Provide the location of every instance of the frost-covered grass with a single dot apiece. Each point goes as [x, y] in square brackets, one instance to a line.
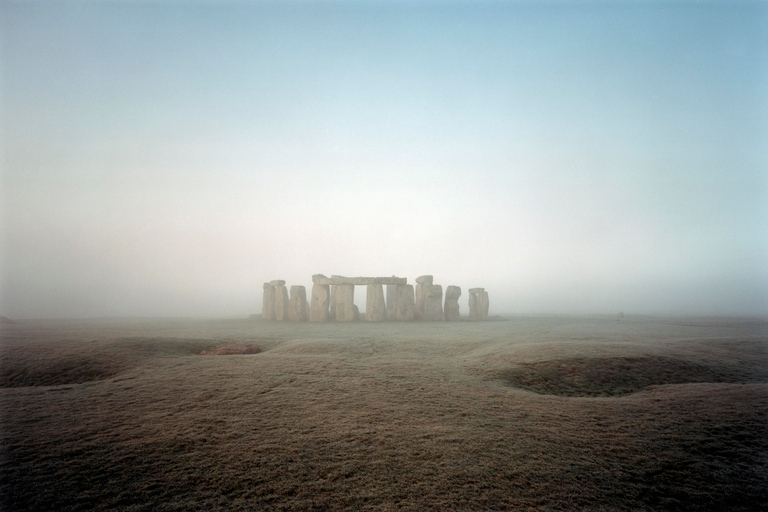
[530, 414]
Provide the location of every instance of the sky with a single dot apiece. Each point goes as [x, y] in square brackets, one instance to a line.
[167, 158]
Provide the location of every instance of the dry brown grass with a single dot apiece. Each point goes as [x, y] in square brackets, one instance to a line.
[125, 415]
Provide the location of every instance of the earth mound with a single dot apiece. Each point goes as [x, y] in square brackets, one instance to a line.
[613, 376]
[231, 349]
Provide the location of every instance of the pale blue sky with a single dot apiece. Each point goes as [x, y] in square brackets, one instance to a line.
[165, 158]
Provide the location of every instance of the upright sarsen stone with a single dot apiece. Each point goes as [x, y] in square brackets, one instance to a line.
[405, 307]
[268, 303]
[451, 313]
[423, 284]
[474, 313]
[433, 305]
[391, 294]
[344, 302]
[333, 301]
[297, 311]
[281, 302]
[375, 308]
[321, 300]
[482, 305]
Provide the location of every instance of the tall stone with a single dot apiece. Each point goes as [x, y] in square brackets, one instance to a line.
[321, 300]
[344, 302]
[268, 304]
[482, 305]
[391, 294]
[375, 308]
[474, 303]
[297, 311]
[451, 313]
[281, 302]
[423, 284]
[405, 307]
[333, 301]
[433, 305]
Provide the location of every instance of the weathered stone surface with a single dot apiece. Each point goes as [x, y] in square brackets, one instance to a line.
[359, 281]
[424, 279]
[433, 305]
[277, 282]
[473, 311]
[321, 300]
[315, 277]
[375, 307]
[333, 302]
[344, 300]
[357, 312]
[451, 311]
[281, 302]
[476, 290]
[297, 311]
[268, 304]
[405, 307]
[482, 305]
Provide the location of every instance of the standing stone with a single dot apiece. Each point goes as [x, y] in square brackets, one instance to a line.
[474, 310]
[433, 306]
[333, 302]
[391, 295]
[473, 313]
[297, 311]
[345, 302]
[482, 305]
[405, 307]
[452, 294]
[375, 308]
[321, 300]
[268, 304]
[423, 283]
[281, 302]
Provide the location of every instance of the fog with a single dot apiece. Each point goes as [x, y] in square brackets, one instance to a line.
[163, 159]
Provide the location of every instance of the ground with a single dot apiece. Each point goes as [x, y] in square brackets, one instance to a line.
[535, 413]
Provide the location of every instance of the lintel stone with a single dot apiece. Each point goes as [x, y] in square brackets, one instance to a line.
[359, 281]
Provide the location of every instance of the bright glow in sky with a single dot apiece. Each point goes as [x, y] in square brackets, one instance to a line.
[167, 158]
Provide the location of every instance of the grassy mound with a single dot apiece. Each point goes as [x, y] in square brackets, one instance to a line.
[613, 376]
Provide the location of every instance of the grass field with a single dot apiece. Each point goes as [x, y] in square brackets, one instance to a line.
[535, 413]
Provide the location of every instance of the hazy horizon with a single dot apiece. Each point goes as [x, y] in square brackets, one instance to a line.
[166, 159]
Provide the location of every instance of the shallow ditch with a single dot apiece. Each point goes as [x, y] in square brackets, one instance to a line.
[617, 376]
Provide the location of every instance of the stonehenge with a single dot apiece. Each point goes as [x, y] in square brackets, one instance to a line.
[332, 299]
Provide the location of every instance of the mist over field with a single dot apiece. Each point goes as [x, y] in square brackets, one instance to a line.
[165, 159]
